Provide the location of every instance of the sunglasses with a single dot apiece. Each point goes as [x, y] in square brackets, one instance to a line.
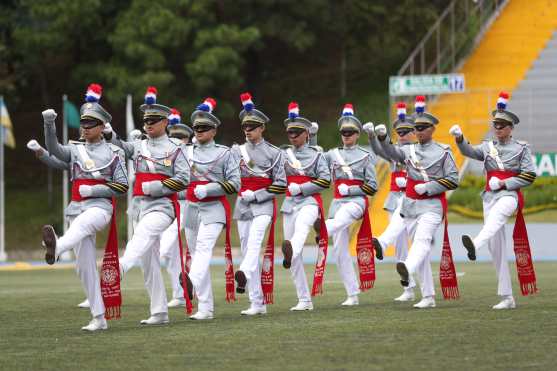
[89, 123]
[422, 127]
[348, 133]
[202, 128]
[250, 127]
[402, 133]
[152, 120]
[294, 133]
[500, 125]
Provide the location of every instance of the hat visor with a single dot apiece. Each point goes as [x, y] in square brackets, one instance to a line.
[347, 126]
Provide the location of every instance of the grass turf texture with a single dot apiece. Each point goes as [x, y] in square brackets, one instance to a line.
[40, 328]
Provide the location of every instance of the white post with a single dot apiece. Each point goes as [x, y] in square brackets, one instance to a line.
[3, 256]
[66, 256]
[129, 127]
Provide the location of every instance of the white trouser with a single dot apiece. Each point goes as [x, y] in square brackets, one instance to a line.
[496, 214]
[81, 237]
[397, 233]
[339, 229]
[296, 229]
[143, 249]
[419, 257]
[170, 257]
[201, 242]
[252, 233]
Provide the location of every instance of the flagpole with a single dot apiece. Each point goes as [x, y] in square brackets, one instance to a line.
[3, 256]
[129, 128]
[66, 256]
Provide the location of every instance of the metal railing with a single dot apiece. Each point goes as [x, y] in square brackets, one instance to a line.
[452, 36]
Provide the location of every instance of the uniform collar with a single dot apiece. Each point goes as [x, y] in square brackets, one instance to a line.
[96, 144]
[209, 144]
[302, 148]
[508, 141]
[158, 140]
[427, 144]
[253, 145]
[349, 148]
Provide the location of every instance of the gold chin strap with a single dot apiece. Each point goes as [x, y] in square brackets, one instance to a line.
[253, 119]
[349, 126]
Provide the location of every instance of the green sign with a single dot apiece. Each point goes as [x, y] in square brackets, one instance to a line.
[546, 164]
[426, 84]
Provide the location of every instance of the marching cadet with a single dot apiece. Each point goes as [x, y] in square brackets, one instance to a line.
[161, 170]
[98, 172]
[509, 167]
[263, 178]
[396, 233]
[53, 163]
[307, 174]
[353, 173]
[214, 174]
[170, 252]
[431, 171]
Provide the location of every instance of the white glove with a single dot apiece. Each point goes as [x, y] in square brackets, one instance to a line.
[85, 191]
[494, 183]
[455, 131]
[400, 181]
[368, 128]
[343, 189]
[420, 188]
[381, 130]
[107, 128]
[135, 134]
[33, 145]
[49, 115]
[314, 128]
[200, 191]
[146, 188]
[294, 189]
[248, 196]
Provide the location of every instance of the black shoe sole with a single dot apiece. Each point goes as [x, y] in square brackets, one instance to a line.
[404, 275]
[49, 239]
[287, 253]
[241, 281]
[378, 248]
[469, 246]
[189, 285]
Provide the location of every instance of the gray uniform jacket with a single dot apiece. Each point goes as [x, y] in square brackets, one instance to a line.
[514, 156]
[267, 161]
[308, 161]
[393, 198]
[162, 155]
[434, 163]
[361, 165]
[100, 161]
[214, 163]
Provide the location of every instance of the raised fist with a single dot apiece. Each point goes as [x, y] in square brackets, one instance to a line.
[455, 131]
[369, 129]
[381, 130]
[49, 115]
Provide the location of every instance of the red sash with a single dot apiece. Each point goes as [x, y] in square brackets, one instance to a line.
[447, 271]
[229, 272]
[394, 175]
[110, 269]
[317, 288]
[138, 191]
[523, 255]
[267, 271]
[364, 247]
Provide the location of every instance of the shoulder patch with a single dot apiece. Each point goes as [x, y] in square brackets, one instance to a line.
[522, 142]
[285, 146]
[115, 148]
[221, 146]
[272, 146]
[446, 147]
[363, 149]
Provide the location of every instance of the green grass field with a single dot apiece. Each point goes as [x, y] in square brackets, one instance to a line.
[40, 328]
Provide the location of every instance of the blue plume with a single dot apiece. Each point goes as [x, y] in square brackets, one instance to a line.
[203, 107]
[150, 100]
[501, 105]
